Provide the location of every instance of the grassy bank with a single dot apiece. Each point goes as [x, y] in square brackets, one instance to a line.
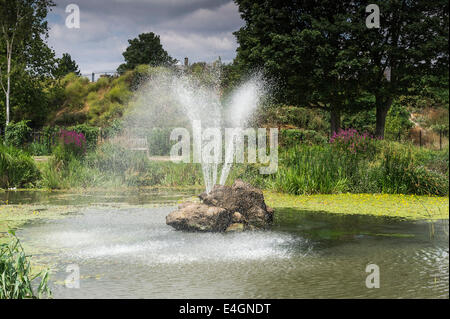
[357, 165]
[386, 167]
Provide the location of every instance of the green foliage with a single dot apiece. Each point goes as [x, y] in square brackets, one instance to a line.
[363, 121]
[111, 165]
[387, 168]
[38, 149]
[66, 65]
[30, 98]
[292, 137]
[76, 89]
[312, 169]
[17, 133]
[17, 169]
[401, 173]
[145, 49]
[323, 55]
[16, 276]
[109, 99]
[159, 142]
[89, 132]
[397, 122]
[291, 116]
[303, 46]
[109, 157]
[114, 128]
[73, 173]
[23, 43]
[102, 83]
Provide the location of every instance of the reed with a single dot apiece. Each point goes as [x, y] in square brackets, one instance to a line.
[16, 277]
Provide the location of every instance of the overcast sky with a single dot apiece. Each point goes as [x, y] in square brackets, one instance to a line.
[198, 29]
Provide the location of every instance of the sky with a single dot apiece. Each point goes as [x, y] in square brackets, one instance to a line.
[201, 30]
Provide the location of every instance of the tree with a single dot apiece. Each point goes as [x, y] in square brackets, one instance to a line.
[411, 43]
[22, 26]
[66, 65]
[145, 49]
[306, 47]
[324, 55]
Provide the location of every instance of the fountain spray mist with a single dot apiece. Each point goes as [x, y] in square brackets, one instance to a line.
[201, 105]
[176, 99]
[244, 101]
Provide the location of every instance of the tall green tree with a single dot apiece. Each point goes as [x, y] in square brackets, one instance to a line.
[145, 49]
[306, 48]
[323, 54]
[411, 43]
[65, 65]
[23, 30]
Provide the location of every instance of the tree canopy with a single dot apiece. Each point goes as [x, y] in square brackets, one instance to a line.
[323, 54]
[65, 65]
[145, 49]
[24, 54]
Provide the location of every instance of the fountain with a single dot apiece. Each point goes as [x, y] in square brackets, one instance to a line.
[183, 99]
[236, 208]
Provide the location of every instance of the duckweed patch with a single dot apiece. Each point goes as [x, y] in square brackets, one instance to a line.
[401, 206]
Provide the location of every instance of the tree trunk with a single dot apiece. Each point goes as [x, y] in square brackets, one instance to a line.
[383, 106]
[8, 88]
[335, 121]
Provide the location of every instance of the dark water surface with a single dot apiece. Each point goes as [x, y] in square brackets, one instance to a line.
[129, 252]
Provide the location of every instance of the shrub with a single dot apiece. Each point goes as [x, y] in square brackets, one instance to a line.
[291, 116]
[112, 129]
[102, 83]
[401, 172]
[159, 142]
[50, 134]
[72, 143]
[17, 169]
[119, 93]
[109, 157]
[75, 90]
[17, 134]
[397, 122]
[39, 149]
[390, 168]
[350, 141]
[312, 169]
[90, 134]
[293, 137]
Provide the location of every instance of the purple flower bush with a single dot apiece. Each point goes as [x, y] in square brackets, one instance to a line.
[351, 141]
[73, 142]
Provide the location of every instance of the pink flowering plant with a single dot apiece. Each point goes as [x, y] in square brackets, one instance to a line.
[353, 142]
[73, 142]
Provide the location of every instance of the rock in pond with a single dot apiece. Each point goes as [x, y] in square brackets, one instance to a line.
[236, 208]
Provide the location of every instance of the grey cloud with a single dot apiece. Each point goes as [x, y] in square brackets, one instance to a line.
[199, 29]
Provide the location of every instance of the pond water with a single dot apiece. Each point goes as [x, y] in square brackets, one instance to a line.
[125, 250]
